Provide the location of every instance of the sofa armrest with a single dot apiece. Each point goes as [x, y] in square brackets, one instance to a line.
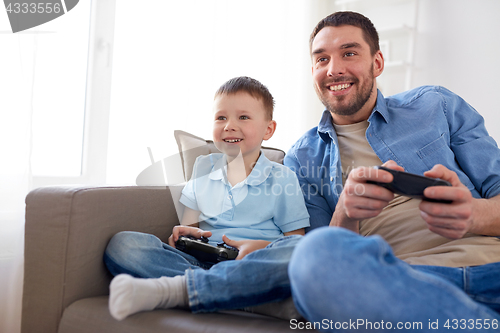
[67, 230]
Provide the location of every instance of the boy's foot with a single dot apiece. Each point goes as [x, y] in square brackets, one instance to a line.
[129, 295]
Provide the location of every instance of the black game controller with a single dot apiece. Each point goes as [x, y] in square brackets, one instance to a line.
[203, 251]
[410, 185]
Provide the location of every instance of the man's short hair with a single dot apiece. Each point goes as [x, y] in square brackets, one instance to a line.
[337, 19]
[251, 86]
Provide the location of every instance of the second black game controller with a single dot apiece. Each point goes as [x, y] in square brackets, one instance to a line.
[410, 185]
[203, 251]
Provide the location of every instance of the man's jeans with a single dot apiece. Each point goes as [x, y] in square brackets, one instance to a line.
[261, 277]
[345, 282]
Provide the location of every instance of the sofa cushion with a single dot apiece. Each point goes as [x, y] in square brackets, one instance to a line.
[190, 147]
[283, 309]
[92, 315]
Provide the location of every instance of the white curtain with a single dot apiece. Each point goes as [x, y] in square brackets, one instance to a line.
[42, 80]
[17, 61]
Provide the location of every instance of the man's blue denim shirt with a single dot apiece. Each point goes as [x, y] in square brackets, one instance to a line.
[417, 129]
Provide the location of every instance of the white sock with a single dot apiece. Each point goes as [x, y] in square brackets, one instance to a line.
[129, 295]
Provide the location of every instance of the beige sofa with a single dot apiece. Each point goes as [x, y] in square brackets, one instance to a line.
[66, 282]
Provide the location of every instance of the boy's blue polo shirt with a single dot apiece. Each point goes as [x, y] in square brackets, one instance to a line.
[268, 203]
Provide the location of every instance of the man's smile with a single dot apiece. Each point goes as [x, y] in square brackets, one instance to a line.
[339, 87]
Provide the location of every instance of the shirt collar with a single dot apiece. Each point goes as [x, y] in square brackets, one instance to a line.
[326, 125]
[260, 171]
[381, 108]
[259, 174]
[216, 172]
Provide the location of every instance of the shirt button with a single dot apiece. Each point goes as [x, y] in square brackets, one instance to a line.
[331, 179]
[230, 197]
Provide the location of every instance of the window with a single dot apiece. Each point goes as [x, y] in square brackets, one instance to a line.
[169, 58]
[60, 69]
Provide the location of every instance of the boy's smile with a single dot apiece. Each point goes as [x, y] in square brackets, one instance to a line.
[240, 125]
[231, 140]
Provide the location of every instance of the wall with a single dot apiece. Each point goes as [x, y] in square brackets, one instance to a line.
[452, 43]
[458, 47]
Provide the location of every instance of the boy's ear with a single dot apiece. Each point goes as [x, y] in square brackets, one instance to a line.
[271, 127]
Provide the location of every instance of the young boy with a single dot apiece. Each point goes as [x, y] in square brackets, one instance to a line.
[239, 197]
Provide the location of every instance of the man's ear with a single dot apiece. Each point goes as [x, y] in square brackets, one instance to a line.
[271, 128]
[378, 63]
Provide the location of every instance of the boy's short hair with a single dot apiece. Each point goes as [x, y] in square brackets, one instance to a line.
[251, 86]
[338, 19]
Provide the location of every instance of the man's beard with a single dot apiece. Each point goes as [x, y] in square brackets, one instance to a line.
[361, 98]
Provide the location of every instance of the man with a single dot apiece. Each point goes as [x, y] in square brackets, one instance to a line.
[431, 264]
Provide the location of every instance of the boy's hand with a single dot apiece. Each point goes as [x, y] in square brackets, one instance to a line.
[182, 230]
[245, 246]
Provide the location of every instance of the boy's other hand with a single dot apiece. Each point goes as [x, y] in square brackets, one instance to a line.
[182, 230]
[245, 246]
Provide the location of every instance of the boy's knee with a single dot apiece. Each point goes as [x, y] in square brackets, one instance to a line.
[127, 250]
[125, 243]
[118, 242]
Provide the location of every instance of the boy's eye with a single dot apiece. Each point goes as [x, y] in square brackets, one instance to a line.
[220, 118]
[244, 117]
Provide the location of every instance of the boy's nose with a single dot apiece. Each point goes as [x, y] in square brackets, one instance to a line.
[230, 126]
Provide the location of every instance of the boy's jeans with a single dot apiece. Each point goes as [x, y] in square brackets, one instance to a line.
[261, 277]
[348, 283]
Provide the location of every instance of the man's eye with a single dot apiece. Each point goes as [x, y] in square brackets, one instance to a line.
[321, 59]
[349, 54]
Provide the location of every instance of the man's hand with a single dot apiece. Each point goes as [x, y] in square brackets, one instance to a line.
[451, 220]
[245, 246]
[360, 200]
[182, 230]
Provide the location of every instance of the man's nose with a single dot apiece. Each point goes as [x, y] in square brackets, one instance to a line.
[335, 67]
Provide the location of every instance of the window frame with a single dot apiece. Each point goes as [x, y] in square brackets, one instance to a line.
[97, 100]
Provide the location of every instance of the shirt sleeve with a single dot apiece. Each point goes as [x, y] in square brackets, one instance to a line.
[290, 211]
[319, 211]
[475, 150]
